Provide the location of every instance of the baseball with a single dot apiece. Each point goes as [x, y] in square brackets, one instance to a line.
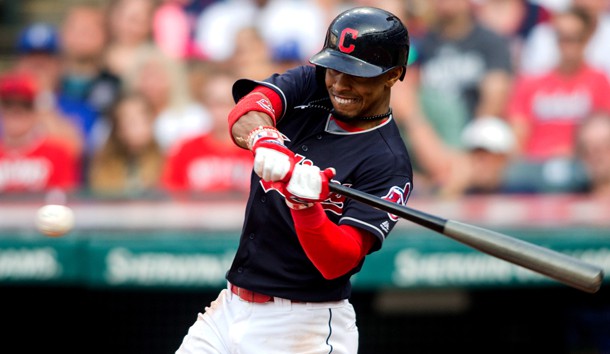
[54, 220]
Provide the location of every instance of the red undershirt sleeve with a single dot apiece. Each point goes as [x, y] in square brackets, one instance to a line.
[333, 249]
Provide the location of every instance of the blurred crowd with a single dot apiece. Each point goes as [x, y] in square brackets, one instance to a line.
[131, 98]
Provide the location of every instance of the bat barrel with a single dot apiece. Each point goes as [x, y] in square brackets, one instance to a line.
[561, 267]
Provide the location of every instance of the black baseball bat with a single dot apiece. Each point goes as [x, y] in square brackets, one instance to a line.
[561, 267]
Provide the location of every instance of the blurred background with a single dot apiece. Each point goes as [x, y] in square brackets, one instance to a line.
[118, 109]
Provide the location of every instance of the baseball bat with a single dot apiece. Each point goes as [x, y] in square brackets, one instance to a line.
[558, 266]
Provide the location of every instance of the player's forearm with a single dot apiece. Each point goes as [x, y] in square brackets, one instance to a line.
[333, 249]
[258, 108]
[248, 122]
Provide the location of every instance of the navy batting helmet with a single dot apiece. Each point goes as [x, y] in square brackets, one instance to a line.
[365, 42]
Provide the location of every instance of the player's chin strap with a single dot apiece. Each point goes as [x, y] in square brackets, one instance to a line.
[342, 118]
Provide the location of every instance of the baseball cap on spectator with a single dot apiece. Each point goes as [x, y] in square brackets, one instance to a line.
[38, 38]
[488, 133]
[286, 51]
[17, 86]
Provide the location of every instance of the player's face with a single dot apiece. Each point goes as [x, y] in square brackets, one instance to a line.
[354, 96]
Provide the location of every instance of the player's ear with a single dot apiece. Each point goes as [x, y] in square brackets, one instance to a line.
[394, 75]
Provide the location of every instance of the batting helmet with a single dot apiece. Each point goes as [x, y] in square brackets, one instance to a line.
[365, 42]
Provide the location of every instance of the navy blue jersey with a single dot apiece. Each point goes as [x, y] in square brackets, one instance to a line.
[270, 259]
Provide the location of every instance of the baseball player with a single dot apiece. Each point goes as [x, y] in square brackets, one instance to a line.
[289, 285]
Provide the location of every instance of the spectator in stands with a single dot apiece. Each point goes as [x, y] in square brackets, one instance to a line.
[546, 109]
[554, 5]
[398, 7]
[593, 151]
[418, 16]
[541, 52]
[210, 162]
[251, 56]
[513, 19]
[218, 24]
[38, 54]
[83, 40]
[163, 81]
[281, 24]
[477, 168]
[463, 69]
[130, 28]
[404, 97]
[130, 162]
[172, 30]
[30, 159]
[489, 144]
[294, 25]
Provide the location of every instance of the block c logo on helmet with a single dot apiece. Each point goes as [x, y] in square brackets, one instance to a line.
[343, 38]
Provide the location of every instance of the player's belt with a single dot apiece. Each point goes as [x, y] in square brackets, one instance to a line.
[250, 296]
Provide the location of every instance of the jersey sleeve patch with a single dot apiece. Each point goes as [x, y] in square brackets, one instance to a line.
[376, 221]
[398, 195]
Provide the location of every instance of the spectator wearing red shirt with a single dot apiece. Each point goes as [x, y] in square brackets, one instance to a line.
[30, 160]
[210, 162]
[546, 110]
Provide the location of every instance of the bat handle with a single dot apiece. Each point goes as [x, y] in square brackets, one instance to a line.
[429, 221]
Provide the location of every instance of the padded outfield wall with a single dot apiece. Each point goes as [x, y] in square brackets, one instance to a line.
[133, 274]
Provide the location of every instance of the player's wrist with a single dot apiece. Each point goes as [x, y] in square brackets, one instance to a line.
[264, 133]
[294, 205]
[252, 102]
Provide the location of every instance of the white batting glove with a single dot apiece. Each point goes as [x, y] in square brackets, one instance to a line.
[273, 161]
[308, 184]
[272, 164]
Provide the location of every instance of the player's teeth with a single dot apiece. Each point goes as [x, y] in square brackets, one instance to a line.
[343, 100]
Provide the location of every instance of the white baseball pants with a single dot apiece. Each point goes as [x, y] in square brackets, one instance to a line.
[231, 325]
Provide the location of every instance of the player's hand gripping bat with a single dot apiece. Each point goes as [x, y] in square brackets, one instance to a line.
[561, 267]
